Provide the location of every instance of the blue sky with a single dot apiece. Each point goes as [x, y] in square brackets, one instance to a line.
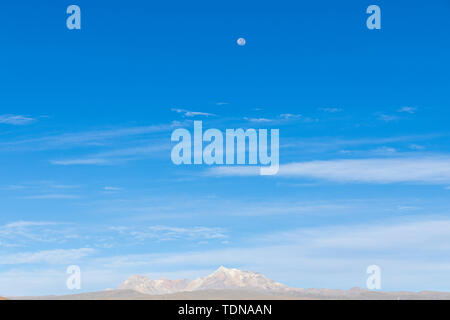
[86, 118]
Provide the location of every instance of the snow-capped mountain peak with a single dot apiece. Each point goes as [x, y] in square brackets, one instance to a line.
[222, 278]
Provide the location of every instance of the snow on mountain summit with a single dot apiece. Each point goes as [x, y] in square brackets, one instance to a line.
[221, 279]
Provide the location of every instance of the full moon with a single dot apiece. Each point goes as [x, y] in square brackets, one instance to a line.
[241, 41]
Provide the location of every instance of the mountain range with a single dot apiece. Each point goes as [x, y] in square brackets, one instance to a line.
[221, 279]
[233, 284]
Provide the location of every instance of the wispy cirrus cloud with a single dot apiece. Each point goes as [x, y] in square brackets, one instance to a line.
[191, 114]
[51, 196]
[57, 256]
[389, 235]
[116, 156]
[280, 119]
[330, 110]
[321, 145]
[7, 228]
[391, 117]
[377, 170]
[46, 185]
[22, 233]
[80, 161]
[387, 117]
[167, 233]
[85, 138]
[290, 116]
[17, 120]
[410, 110]
[260, 120]
[109, 188]
[32, 233]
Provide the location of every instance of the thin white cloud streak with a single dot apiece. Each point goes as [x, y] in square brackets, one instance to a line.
[167, 233]
[51, 196]
[87, 161]
[387, 117]
[330, 143]
[410, 110]
[109, 188]
[17, 120]
[290, 116]
[412, 170]
[116, 156]
[40, 185]
[242, 171]
[281, 119]
[330, 110]
[87, 138]
[428, 235]
[260, 120]
[57, 256]
[225, 208]
[409, 238]
[16, 233]
[191, 114]
[21, 228]
[22, 223]
[24, 233]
